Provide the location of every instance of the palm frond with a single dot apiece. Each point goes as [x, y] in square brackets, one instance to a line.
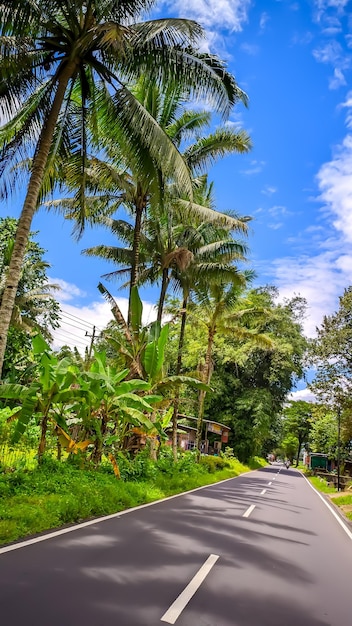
[144, 131]
[110, 253]
[233, 223]
[217, 145]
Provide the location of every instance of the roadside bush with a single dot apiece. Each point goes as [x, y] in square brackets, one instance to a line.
[58, 493]
[186, 462]
[214, 463]
[256, 462]
[228, 453]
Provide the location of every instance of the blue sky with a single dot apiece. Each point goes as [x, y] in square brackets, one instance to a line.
[294, 59]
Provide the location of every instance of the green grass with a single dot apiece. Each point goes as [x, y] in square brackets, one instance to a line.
[17, 457]
[343, 501]
[321, 484]
[60, 493]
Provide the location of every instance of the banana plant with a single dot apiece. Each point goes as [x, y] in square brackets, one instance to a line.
[144, 350]
[143, 347]
[55, 387]
[116, 405]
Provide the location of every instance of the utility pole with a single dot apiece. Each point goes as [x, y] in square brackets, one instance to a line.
[92, 336]
[338, 447]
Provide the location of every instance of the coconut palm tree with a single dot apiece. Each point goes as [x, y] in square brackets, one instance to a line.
[219, 307]
[32, 293]
[152, 193]
[214, 252]
[53, 55]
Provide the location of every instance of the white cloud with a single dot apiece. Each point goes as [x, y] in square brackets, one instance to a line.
[324, 7]
[221, 14]
[329, 15]
[269, 190]
[255, 168]
[348, 104]
[334, 179]
[302, 38]
[251, 49]
[275, 225]
[315, 278]
[331, 52]
[68, 291]
[264, 18]
[77, 322]
[322, 277]
[278, 210]
[337, 80]
[303, 394]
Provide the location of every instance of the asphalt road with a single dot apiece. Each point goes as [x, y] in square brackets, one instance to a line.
[258, 550]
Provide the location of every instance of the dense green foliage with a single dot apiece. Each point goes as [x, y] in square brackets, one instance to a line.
[297, 424]
[59, 493]
[96, 104]
[250, 382]
[35, 307]
[67, 77]
[330, 354]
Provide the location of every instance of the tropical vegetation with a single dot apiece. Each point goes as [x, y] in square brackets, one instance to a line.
[101, 122]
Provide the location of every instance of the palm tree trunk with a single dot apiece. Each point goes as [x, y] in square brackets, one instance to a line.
[154, 443]
[140, 207]
[98, 447]
[178, 371]
[42, 442]
[206, 379]
[163, 290]
[300, 442]
[29, 208]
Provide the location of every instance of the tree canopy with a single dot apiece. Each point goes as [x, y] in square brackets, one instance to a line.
[35, 307]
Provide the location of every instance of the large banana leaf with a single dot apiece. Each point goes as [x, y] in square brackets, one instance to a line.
[132, 385]
[29, 408]
[136, 311]
[134, 401]
[176, 381]
[153, 356]
[13, 391]
[137, 418]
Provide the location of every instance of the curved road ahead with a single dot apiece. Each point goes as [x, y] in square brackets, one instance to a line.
[258, 550]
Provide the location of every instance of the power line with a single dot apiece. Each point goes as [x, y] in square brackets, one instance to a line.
[68, 339]
[92, 337]
[79, 319]
[76, 318]
[82, 328]
[63, 330]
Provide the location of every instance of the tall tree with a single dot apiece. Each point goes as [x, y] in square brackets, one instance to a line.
[331, 354]
[297, 421]
[216, 309]
[149, 194]
[213, 250]
[258, 379]
[35, 308]
[250, 382]
[54, 53]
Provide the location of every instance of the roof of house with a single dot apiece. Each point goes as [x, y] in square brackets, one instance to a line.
[191, 417]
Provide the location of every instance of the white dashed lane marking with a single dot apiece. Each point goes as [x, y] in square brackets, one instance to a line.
[249, 511]
[182, 600]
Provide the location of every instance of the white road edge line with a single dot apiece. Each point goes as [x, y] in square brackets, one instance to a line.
[249, 511]
[345, 528]
[183, 599]
[263, 492]
[97, 520]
